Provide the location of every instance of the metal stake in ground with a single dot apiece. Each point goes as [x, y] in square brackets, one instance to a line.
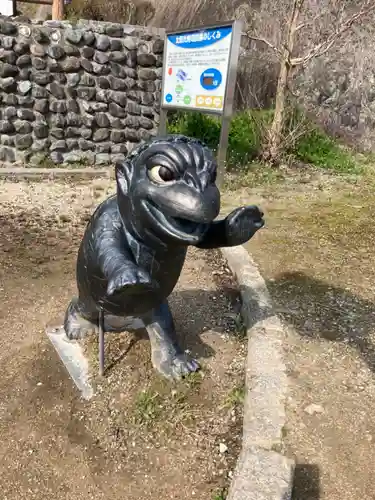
[101, 342]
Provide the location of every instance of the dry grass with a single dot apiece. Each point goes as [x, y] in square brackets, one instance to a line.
[138, 12]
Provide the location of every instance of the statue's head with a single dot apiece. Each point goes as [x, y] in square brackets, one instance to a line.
[167, 188]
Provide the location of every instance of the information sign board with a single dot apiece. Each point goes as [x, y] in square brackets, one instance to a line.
[199, 74]
[7, 8]
[196, 68]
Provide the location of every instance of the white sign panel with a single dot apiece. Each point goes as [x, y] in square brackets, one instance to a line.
[7, 8]
[195, 71]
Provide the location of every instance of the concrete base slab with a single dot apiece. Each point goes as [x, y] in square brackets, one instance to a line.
[76, 363]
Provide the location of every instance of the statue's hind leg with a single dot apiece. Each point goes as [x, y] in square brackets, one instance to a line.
[80, 320]
[166, 355]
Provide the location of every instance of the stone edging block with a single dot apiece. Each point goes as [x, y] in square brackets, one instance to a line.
[262, 472]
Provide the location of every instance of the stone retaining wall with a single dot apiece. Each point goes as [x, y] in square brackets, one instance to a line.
[82, 93]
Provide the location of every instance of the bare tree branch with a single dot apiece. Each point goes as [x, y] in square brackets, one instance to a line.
[265, 41]
[324, 46]
[309, 23]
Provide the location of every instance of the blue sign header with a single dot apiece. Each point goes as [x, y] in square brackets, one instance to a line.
[198, 39]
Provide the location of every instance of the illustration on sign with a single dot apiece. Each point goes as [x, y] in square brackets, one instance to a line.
[196, 69]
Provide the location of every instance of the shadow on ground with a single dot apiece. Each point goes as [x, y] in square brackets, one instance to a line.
[205, 313]
[318, 309]
[306, 484]
[46, 403]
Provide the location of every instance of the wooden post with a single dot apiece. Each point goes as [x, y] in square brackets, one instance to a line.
[57, 10]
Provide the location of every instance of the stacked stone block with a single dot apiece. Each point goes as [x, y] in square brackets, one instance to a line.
[87, 92]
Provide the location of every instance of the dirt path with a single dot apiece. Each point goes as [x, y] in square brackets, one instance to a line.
[141, 437]
[317, 255]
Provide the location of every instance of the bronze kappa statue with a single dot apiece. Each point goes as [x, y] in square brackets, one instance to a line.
[134, 247]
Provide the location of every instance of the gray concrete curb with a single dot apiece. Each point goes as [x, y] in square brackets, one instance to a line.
[26, 173]
[262, 472]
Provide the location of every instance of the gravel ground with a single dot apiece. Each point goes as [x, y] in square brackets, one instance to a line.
[141, 437]
[317, 256]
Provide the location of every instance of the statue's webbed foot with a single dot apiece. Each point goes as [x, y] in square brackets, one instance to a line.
[166, 355]
[76, 326]
[174, 366]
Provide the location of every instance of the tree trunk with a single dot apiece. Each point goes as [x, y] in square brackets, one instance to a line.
[273, 146]
[274, 137]
[57, 10]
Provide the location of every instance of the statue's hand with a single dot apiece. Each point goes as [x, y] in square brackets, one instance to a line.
[130, 279]
[242, 224]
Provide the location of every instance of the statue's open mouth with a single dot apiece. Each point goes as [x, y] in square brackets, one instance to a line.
[181, 229]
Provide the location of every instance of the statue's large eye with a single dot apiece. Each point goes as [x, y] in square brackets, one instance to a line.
[161, 174]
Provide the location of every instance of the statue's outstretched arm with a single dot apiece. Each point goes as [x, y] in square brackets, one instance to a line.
[115, 259]
[236, 229]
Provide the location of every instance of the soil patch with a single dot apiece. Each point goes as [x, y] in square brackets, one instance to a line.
[141, 437]
[317, 256]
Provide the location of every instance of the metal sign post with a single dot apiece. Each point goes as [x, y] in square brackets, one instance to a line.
[199, 74]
